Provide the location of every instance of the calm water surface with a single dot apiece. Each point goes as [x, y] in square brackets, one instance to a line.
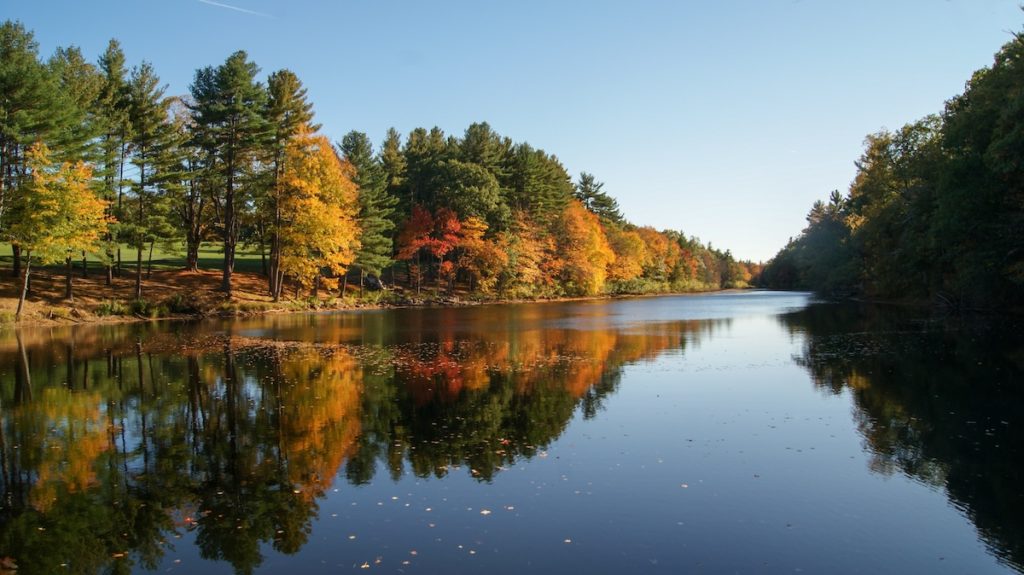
[729, 433]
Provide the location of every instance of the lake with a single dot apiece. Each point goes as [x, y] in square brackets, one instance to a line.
[753, 432]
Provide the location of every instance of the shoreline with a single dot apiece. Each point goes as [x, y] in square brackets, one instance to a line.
[241, 309]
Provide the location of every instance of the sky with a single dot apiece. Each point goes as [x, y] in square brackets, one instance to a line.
[725, 119]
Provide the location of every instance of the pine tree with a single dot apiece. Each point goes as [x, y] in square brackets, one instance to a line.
[152, 138]
[230, 126]
[589, 192]
[375, 206]
[114, 127]
[287, 113]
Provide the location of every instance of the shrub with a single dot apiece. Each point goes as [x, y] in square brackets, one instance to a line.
[182, 303]
[111, 307]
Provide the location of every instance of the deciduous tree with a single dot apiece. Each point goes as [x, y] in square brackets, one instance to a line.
[60, 214]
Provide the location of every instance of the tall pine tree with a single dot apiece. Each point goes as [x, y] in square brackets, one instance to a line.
[375, 206]
[152, 137]
[230, 125]
[287, 113]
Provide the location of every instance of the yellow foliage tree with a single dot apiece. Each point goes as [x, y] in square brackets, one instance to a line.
[319, 206]
[59, 214]
[480, 257]
[662, 254]
[584, 249]
[630, 253]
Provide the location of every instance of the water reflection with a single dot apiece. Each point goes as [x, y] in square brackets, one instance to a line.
[115, 442]
[938, 400]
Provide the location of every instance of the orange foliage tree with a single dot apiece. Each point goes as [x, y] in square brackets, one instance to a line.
[584, 250]
[430, 235]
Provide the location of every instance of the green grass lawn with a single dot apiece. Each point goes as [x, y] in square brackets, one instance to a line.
[211, 257]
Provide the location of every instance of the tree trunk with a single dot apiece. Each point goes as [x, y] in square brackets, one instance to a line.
[344, 283]
[280, 285]
[24, 285]
[192, 256]
[120, 197]
[110, 273]
[138, 271]
[67, 280]
[149, 263]
[272, 275]
[16, 260]
[362, 276]
[263, 259]
[229, 226]
[85, 265]
[140, 243]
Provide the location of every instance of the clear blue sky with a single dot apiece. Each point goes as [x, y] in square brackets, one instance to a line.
[725, 119]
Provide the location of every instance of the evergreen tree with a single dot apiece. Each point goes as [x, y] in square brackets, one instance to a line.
[537, 184]
[190, 195]
[375, 206]
[114, 128]
[482, 146]
[589, 192]
[287, 113]
[78, 87]
[230, 125]
[152, 140]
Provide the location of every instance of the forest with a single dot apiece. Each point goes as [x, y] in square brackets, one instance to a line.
[99, 164]
[935, 212]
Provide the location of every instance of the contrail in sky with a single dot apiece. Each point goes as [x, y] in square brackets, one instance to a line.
[236, 8]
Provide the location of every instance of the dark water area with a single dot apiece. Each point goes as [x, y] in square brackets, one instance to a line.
[756, 432]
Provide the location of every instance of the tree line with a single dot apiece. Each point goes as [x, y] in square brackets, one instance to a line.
[936, 210]
[98, 162]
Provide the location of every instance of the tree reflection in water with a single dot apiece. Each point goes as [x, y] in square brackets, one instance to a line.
[940, 400]
[116, 441]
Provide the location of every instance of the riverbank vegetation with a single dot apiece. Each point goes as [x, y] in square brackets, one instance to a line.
[936, 210]
[98, 164]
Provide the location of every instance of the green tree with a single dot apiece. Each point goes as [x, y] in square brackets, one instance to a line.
[589, 192]
[537, 183]
[152, 141]
[287, 113]
[480, 145]
[471, 191]
[230, 125]
[114, 128]
[375, 206]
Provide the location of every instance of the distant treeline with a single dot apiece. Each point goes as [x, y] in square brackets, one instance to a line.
[936, 211]
[96, 156]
